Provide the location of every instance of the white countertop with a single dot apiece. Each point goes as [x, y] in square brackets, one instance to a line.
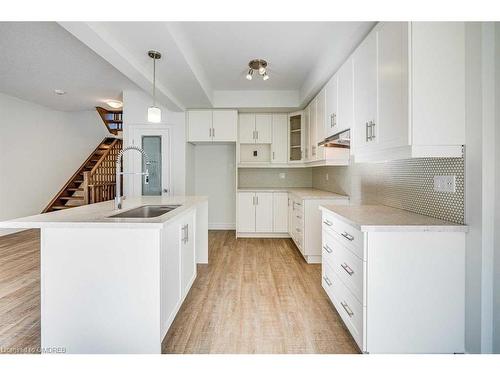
[97, 215]
[302, 193]
[378, 218]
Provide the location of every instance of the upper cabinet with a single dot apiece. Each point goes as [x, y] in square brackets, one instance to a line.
[331, 106]
[409, 91]
[279, 146]
[296, 138]
[344, 117]
[255, 127]
[212, 125]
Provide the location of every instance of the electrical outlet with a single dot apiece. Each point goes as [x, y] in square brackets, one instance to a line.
[444, 184]
[282, 175]
[326, 176]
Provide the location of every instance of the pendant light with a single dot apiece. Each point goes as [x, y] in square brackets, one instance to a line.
[154, 112]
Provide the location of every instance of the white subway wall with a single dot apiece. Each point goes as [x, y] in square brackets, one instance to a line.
[40, 149]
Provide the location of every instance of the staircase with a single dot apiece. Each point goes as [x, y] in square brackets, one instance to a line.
[93, 182]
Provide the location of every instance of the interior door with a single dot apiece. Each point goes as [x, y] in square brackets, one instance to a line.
[199, 126]
[246, 212]
[155, 141]
[246, 127]
[264, 212]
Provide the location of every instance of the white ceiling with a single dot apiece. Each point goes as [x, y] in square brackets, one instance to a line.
[292, 50]
[204, 63]
[38, 57]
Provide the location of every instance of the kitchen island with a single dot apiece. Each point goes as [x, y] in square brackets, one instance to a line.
[114, 285]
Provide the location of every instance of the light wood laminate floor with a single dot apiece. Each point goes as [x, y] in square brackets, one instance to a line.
[255, 296]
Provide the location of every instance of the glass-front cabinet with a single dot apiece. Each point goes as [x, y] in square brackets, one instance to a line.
[296, 136]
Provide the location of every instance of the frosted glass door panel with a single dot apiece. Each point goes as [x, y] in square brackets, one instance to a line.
[151, 144]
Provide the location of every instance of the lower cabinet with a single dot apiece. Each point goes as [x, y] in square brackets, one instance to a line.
[396, 291]
[262, 212]
[177, 266]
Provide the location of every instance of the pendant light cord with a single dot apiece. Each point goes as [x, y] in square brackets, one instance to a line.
[154, 82]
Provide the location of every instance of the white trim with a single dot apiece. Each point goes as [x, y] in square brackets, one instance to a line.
[262, 235]
[221, 226]
[6, 232]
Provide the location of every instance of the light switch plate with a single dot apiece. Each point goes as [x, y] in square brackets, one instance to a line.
[445, 184]
[326, 176]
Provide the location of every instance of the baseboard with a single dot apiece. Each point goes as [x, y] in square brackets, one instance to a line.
[5, 232]
[262, 235]
[221, 226]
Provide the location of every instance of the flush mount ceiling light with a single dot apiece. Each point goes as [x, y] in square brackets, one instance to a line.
[260, 66]
[114, 104]
[154, 113]
[59, 92]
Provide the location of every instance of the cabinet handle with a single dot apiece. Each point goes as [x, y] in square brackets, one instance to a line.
[367, 135]
[372, 130]
[327, 249]
[334, 119]
[331, 121]
[184, 233]
[348, 236]
[257, 134]
[329, 223]
[298, 230]
[298, 217]
[347, 309]
[213, 132]
[273, 155]
[187, 233]
[347, 269]
[257, 200]
[327, 280]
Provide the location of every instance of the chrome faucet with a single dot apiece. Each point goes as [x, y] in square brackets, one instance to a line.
[118, 198]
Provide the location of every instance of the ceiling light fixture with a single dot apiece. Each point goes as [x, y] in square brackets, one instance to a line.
[114, 104]
[154, 112]
[59, 92]
[249, 74]
[260, 66]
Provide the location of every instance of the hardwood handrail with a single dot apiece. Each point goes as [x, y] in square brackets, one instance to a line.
[78, 171]
[103, 156]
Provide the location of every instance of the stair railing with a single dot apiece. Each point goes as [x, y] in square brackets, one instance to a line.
[99, 184]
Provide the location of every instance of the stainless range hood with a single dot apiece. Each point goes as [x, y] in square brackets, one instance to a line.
[341, 140]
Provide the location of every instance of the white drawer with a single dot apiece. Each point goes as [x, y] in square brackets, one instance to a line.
[298, 206]
[346, 234]
[347, 265]
[348, 307]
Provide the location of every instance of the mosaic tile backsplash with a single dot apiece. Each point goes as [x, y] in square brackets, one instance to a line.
[406, 184]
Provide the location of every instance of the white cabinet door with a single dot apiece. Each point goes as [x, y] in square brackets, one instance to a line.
[225, 125]
[331, 106]
[280, 212]
[170, 274]
[345, 115]
[365, 92]
[279, 147]
[392, 85]
[438, 83]
[264, 212]
[188, 255]
[263, 128]
[246, 127]
[246, 212]
[320, 125]
[199, 126]
[313, 146]
[306, 155]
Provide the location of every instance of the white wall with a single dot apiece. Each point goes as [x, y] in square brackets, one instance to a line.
[215, 178]
[40, 149]
[135, 109]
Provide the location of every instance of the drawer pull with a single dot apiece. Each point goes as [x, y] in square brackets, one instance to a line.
[298, 230]
[298, 217]
[327, 280]
[329, 223]
[327, 249]
[347, 309]
[348, 236]
[347, 269]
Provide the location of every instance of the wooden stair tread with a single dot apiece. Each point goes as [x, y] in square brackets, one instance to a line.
[60, 207]
[76, 197]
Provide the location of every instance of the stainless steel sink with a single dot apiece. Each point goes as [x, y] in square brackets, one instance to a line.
[146, 211]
